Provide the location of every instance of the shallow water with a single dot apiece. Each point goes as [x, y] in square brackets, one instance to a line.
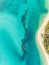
[14, 16]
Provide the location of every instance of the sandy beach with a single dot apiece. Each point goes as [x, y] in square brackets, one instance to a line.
[39, 40]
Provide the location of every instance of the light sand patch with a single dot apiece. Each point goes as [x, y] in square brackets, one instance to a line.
[39, 38]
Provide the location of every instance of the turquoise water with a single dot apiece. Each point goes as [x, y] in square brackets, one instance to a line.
[19, 20]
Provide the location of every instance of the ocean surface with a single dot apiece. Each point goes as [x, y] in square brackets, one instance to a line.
[19, 22]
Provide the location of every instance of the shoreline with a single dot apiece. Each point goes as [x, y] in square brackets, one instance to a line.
[39, 40]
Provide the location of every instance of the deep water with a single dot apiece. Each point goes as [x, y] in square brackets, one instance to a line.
[19, 21]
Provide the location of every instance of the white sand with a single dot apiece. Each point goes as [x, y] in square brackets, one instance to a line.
[40, 40]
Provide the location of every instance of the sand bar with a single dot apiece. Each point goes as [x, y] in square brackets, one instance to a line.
[40, 40]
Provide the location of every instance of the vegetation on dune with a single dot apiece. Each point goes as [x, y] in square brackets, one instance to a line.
[46, 37]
